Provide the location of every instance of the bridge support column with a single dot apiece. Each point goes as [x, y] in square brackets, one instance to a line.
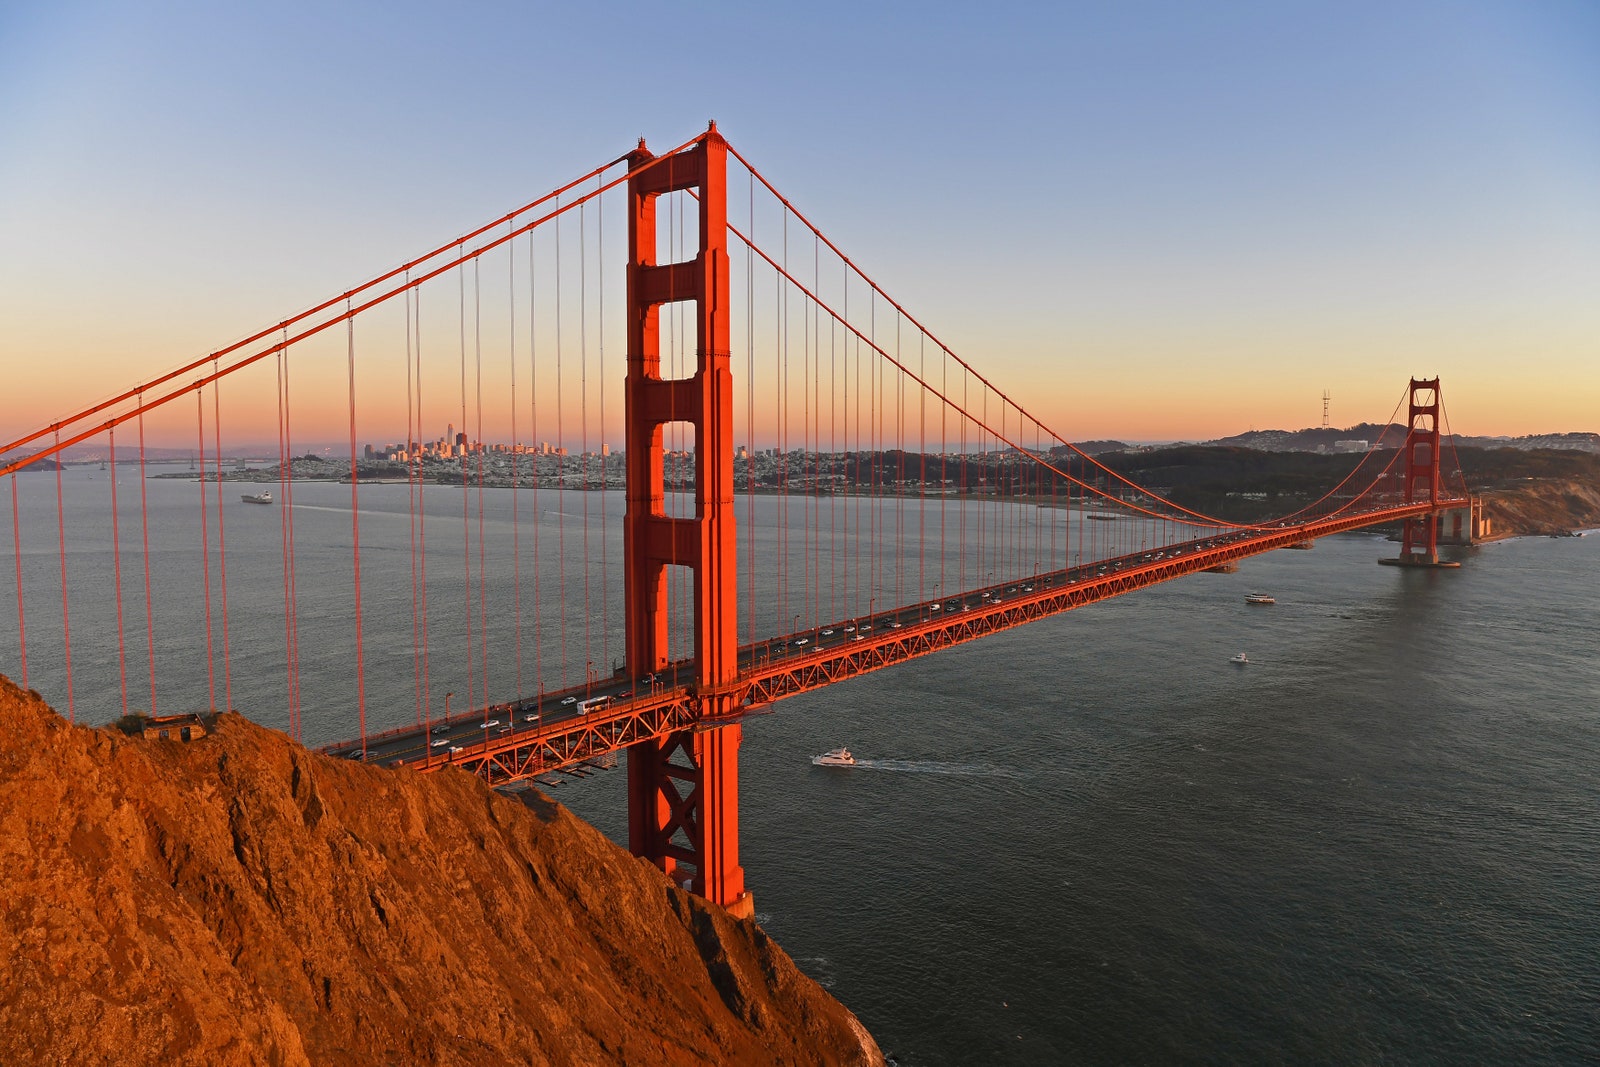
[683, 790]
[1419, 537]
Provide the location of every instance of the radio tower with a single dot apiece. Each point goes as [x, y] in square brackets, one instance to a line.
[1326, 396]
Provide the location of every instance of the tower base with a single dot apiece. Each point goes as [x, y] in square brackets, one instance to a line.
[1428, 564]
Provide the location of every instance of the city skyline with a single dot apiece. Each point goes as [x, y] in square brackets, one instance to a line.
[1243, 206]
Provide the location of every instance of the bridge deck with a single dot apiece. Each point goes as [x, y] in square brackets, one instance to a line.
[524, 738]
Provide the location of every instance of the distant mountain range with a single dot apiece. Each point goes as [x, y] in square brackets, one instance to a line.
[1328, 439]
[1357, 438]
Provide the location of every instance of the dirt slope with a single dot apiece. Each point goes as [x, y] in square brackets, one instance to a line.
[240, 900]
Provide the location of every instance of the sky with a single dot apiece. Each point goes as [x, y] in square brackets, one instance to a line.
[1156, 220]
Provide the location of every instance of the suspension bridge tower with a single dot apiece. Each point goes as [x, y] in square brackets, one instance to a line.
[1419, 539]
[683, 789]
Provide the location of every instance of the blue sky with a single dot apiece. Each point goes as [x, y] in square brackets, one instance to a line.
[1163, 220]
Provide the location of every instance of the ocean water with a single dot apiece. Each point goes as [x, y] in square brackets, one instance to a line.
[1090, 840]
[1094, 840]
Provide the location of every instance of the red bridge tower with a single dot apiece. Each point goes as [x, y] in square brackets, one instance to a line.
[1421, 535]
[683, 789]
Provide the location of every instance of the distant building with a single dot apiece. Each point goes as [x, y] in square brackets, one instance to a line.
[1350, 446]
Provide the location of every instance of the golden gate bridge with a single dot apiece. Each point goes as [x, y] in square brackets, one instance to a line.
[811, 486]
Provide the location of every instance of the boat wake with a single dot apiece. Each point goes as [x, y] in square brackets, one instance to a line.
[962, 770]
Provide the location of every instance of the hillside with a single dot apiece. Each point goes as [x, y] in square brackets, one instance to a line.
[1551, 506]
[240, 900]
[1525, 491]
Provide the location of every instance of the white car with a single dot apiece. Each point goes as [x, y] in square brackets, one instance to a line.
[827, 633]
[530, 718]
[849, 629]
[802, 640]
[566, 701]
[441, 741]
[456, 748]
[491, 722]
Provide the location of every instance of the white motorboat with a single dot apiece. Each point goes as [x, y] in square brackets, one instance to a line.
[1260, 598]
[1240, 659]
[839, 757]
[263, 497]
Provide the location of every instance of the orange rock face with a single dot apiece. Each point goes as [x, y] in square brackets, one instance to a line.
[238, 899]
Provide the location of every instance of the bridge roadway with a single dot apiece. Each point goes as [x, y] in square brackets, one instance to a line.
[527, 737]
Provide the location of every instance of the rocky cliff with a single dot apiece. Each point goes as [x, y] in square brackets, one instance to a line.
[1553, 506]
[237, 899]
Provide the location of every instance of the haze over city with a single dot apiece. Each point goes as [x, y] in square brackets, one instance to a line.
[1159, 222]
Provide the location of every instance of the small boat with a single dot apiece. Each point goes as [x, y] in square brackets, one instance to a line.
[1260, 598]
[839, 757]
[1240, 659]
[263, 497]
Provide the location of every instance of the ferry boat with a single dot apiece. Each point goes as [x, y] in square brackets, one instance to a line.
[1240, 659]
[839, 757]
[263, 497]
[1260, 598]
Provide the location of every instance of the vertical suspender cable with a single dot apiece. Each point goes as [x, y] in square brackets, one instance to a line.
[750, 414]
[283, 522]
[533, 433]
[808, 498]
[205, 547]
[561, 516]
[116, 575]
[222, 545]
[355, 530]
[516, 454]
[466, 489]
[422, 529]
[583, 422]
[605, 568]
[413, 474]
[144, 533]
[16, 545]
[922, 469]
[66, 626]
[480, 447]
[294, 576]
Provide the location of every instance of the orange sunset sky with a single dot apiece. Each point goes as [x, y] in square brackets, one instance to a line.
[1153, 222]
